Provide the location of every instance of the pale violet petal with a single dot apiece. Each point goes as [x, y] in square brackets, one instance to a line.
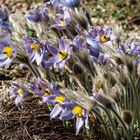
[56, 111]
[79, 123]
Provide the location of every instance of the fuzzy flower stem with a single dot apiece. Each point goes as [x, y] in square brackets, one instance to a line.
[103, 122]
[35, 73]
[136, 97]
[110, 119]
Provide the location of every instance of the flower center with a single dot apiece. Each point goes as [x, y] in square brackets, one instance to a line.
[105, 38]
[77, 111]
[62, 22]
[35, 47]
[60, 98]
[63, 54]
[47, 92]
[7, 51]
[19, 91]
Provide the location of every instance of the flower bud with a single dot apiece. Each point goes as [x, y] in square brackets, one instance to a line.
[127, 116]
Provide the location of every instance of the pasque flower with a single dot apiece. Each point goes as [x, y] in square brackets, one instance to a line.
[62, 20]
[95, 51]
[130, 49]
[56, 98]
[61, 55]
[35, 49]
[70, 3]
[105, 36]
[44, 89]
[7, 53]
[4, 30]
[3, 13]
[73, 110]
[38, 15]
[20, 93]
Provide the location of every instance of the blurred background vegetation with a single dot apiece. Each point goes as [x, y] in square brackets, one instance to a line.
[124, 12]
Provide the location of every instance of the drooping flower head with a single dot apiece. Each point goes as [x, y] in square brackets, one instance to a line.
[38, 15]
[105, 36]
[94, 47]
[95, 51]
[62, 20]
[79, 41]
[57, 98]
[35, 49]
[44, 89]
[3, 13]
[130, 49]
[73, 110]
[4, 30]
[20, 93]
[7, 53]
[61, 55]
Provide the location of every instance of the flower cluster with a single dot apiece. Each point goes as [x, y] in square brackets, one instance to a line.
[71, 53]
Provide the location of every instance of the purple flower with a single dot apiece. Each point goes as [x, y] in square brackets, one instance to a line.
[70, 3]
[44, 89]
[101, 59]
[96, 51]
[94, 47]
[131, 49]
[3, 13]
[20, 93]
[54, 3]
[35, 49]
[62, 20]
[37, 15]
[58, 100]
[79, 43]
[73, 110]
[3, 30]
[7, 53]
[104, 36]
[61, 55]
[47, 55]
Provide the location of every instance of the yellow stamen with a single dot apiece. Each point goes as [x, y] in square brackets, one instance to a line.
[62, 22]
[47, 92]
[105, 38]
[19, 91]
[77, 111]
[35, 47]
[60, 98]
[63, 54]
[7, 51]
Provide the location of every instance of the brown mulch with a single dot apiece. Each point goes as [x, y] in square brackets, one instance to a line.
[32, 122]
[29, 121]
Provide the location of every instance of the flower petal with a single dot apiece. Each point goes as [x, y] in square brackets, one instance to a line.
[79, 123]
[66, 115]
[56, 111]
